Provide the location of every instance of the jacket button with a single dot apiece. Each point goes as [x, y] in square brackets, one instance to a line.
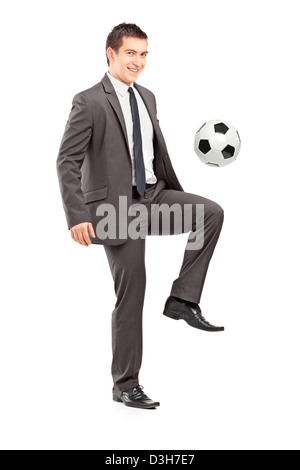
[166, 156]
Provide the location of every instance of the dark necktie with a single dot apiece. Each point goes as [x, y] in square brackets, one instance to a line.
[138, 151]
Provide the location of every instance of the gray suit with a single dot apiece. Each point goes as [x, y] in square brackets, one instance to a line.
[94, 167]
[95, 150]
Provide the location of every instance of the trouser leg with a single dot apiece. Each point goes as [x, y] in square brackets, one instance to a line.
[127, 265]
[190, 282]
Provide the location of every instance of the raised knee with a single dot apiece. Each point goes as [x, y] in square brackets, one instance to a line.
[220, 212]
[217, 213]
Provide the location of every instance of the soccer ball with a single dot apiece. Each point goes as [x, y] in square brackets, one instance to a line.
[217, 143]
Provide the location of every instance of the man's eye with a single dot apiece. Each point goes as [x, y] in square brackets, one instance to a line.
[145, 55]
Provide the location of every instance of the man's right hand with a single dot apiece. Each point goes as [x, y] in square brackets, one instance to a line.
[80, 233]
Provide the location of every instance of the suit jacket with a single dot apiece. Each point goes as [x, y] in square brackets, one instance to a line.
[94, 164]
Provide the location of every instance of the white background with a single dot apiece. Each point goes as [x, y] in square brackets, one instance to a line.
[230, 60]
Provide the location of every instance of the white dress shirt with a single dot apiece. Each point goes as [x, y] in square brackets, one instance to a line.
[146, 128]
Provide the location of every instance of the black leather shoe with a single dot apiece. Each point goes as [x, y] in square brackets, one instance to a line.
[191, 313]
[136, 398]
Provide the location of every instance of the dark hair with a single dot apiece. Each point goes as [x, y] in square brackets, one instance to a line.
[115, 37]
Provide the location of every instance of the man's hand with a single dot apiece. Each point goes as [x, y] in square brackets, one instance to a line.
[80, 233]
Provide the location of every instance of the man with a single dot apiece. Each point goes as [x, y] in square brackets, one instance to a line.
[113, 148]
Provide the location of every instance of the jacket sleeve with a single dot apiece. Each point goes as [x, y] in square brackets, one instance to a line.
[72, 150]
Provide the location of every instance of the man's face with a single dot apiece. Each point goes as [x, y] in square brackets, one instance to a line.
[131, 56]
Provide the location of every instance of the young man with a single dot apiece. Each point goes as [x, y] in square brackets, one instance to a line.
[113, 151]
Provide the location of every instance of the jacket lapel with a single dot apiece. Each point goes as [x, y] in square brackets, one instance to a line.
[149, 106]
[114, 101]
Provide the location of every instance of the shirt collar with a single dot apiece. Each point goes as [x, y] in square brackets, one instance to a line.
[119, 86]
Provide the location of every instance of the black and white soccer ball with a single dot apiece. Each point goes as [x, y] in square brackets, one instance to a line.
[217, 143]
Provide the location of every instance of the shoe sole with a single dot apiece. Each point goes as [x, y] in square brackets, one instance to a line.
[176, 316]
[152, 407]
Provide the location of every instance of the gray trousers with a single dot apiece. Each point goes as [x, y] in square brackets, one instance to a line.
[127, 265]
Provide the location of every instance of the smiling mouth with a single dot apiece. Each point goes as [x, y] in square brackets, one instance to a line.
[133, 70]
